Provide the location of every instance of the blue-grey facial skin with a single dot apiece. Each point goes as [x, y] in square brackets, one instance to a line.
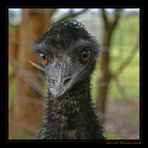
[61, 75]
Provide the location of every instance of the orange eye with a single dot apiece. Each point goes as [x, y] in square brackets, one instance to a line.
[44, 59]
[85, 55]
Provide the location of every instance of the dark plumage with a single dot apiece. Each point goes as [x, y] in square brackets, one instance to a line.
[68, 55]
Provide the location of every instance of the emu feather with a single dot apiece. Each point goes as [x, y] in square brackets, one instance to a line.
[68, 54]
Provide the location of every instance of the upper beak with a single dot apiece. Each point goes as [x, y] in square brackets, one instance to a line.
[59, 78]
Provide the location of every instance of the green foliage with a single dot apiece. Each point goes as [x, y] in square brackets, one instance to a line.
[129, 80]
[24, 134]
[12, 88]
[114, 137]
[123, 41]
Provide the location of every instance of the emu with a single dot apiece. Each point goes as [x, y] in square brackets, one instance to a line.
[67, 56]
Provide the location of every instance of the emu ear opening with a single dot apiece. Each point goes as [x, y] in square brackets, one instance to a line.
[36, 65]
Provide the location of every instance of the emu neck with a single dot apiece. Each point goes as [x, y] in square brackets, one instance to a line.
[72, 116]
[73, 102]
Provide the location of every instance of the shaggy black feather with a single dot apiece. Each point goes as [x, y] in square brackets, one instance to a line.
[72, 115]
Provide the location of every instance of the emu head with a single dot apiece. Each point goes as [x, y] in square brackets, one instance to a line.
[67, 55]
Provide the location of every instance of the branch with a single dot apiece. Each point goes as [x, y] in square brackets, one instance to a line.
[110, 25]
[126, 61]
[120, 87]
[71, 15]
[115, 19]
[105, 19]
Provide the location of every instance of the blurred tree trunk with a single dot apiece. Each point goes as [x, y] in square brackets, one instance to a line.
[27, 109]
[105, 73]
[13, 50]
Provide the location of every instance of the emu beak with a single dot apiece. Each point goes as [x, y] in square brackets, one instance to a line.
[59, 77]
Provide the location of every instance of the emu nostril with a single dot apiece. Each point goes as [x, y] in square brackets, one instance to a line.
[51, 82]
[66, 81]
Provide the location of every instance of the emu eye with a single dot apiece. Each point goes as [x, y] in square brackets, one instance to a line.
[44, 58]
[85, 55]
